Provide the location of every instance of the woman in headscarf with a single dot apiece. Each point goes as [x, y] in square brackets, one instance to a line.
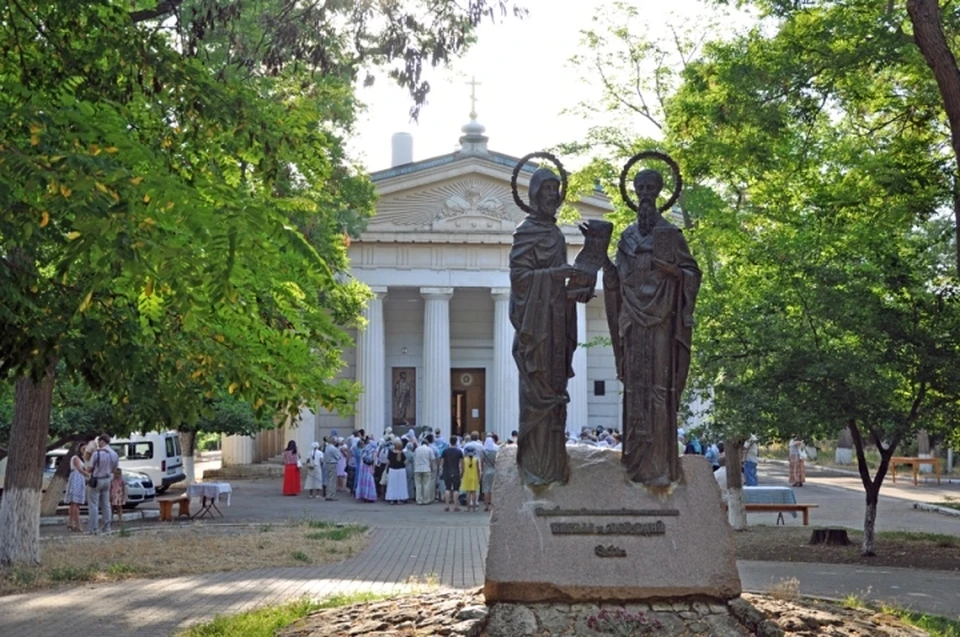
[397, 475]
[408, 464]
[366, 488]
[315, 475]
[490, 449]
[291, 470]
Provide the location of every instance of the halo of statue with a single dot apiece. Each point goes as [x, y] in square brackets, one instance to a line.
[523, 162]
[674, 170]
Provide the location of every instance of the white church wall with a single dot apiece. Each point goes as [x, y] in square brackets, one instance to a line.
[602, 410]
[403, 334]
[471, 340]
[327, 421]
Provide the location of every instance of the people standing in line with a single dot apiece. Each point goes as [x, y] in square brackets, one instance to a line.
[712, 454]
[380, 469]
[471, 477]
[291, 469]
[424, 466]
[315, 476]
[103, 461]
[408, 461]
[342, 475]
[751, 456]
[332, 461]
[451, 473]
[490, 449]
[397, 475]
[118, 494]
[366, 490]
[796, 459]
[76, 495]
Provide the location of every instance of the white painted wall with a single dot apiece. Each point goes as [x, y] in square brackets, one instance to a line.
[602, 410]
[403, 318]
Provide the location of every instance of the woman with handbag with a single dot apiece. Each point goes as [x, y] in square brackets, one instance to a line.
[76, 495]
[291, 469]
[797, 455]
[315, 475]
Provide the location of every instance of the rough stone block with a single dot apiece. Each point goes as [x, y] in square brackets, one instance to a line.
[620, 557]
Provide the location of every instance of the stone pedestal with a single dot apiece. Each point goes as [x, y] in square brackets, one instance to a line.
[602, 538]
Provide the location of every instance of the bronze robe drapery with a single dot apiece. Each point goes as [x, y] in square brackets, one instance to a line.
[546, 337]
[650, 315]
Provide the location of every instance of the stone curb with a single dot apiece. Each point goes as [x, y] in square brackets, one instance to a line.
[923, 506]
[129, 516]
[856, 474]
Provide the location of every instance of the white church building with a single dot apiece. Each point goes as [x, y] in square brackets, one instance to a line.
[437, 348]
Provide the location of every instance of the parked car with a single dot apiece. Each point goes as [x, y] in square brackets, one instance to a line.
[155, 454]
[139, 485]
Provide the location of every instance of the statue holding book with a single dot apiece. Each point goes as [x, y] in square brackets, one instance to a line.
[544, 291]
[650, 289]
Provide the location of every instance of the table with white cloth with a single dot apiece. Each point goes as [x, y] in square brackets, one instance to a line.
[209, 494]
[770, 495]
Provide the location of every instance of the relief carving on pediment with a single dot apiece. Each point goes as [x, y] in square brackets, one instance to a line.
[468, 205]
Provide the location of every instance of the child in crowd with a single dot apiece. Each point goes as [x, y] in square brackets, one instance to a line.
[118, 494]
[471, 477]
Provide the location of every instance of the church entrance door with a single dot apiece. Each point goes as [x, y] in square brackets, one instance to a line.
[467, 401]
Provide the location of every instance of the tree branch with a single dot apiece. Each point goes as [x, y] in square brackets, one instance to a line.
[163, 8]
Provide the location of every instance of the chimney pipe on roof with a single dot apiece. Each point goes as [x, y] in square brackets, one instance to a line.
[402, 149]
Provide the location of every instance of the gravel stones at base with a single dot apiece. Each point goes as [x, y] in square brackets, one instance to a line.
[463, 613]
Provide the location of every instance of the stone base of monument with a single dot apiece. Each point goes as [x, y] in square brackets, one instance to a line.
[601, 538]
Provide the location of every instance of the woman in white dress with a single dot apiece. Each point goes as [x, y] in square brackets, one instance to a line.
[314, 466]
[397, 492]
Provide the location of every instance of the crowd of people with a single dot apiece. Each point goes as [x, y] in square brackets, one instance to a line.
[427, 468]
[422, 468]
[95, 480]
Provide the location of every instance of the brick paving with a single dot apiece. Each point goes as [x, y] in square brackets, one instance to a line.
[397, 559]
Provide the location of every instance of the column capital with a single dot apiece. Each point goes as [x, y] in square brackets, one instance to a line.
[442, 294]
[500, 294]
[379, 291]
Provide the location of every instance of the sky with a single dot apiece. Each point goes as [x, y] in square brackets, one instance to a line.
[524, 83]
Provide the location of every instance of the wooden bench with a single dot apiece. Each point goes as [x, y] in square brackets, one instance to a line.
[166, 507]
[781, 509]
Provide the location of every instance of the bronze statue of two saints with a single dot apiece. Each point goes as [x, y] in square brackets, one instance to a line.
[650, 289]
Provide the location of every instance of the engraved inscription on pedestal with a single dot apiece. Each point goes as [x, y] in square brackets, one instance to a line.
[609, 551]
[615, 528]
[558, 512]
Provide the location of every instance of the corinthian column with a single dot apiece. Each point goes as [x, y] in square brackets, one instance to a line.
[371, 407]
[436, 359]
[506, 380]
[577, 415]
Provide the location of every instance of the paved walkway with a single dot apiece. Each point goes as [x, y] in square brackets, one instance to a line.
[397, 559]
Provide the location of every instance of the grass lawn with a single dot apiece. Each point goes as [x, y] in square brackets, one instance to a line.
[266, 621]
[171, 550]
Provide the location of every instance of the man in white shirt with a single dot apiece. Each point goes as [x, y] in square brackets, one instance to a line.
[102, 463]
[424, 466]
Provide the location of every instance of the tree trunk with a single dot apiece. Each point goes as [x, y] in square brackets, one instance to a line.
[187, 442]
[54, 492]
[870, 524]
[20, 507]
[735, 512]
[872, 487]
[929, 37]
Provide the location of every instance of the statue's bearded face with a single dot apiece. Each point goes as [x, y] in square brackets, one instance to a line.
[548, 198]
[648, 185]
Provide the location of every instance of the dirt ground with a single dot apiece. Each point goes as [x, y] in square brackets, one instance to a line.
[792, 544]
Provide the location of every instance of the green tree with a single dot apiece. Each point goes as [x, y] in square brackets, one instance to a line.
[175, 197]
[831, 305]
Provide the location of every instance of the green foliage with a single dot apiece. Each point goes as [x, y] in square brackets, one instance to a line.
[265, 622]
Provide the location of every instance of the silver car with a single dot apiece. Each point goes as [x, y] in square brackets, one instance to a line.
[140, 487]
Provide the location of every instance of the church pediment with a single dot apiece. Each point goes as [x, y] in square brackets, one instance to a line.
[457, 195]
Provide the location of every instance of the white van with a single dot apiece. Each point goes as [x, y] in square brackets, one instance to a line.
[155, 454]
